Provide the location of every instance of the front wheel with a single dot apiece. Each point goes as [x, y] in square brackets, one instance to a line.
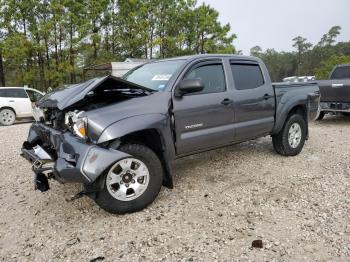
[132, 183]
[291, 139]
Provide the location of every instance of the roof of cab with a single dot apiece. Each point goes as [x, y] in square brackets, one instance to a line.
[194, 57]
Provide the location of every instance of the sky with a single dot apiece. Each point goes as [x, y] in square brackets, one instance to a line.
[274, 23]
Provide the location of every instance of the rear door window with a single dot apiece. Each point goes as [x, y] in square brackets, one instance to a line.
[247, 76]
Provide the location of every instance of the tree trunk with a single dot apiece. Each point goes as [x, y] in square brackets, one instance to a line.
[94, 31]
[71, 55]
[202, 43]
[47, 52]
[56, 47]
[42, 83]
[2, 73]
[60, 43]
[24, 27]
[47, 63]
[113, 29]
[151, 44]
[146, 50]
[161, 36]
[41, 66]
[113, 40]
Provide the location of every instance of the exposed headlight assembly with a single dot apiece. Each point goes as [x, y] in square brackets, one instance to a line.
[80, 127]
[38, 113]
[76, 123]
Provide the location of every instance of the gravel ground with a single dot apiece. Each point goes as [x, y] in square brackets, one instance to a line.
[223, 200]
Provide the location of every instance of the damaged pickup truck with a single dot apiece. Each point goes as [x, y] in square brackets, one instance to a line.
[119, 136]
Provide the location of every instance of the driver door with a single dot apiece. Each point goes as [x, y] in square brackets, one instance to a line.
[204, 119]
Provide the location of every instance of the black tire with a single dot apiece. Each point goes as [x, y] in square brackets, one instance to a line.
[112, 205]
[7, 117]
[280, 140]
[320, 116]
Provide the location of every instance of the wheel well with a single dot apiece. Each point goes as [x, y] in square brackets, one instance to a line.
[10, 108]
[153, 140]
[149, 138]
[299, 109]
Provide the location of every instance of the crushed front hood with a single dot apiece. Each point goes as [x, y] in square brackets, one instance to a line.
[66, 97]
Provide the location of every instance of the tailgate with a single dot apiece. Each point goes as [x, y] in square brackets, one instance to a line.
[335, 90]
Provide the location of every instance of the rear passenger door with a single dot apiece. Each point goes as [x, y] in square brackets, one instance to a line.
[254, 100]
[18, 100]
[204, 119]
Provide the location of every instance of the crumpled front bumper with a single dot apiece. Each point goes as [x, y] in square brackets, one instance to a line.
[72, 158]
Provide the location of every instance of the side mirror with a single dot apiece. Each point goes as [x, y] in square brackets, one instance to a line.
[187, 86]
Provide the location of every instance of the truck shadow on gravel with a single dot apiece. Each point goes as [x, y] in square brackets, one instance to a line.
[340, 120]
[208, 164]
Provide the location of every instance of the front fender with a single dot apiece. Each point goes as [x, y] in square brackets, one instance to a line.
[133, 124]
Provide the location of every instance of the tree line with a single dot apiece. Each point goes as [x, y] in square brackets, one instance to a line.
[307, 59]
[47, 43]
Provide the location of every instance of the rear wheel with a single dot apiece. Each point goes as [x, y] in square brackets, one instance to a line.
[7, 117]
[291, 139]
[132, 183]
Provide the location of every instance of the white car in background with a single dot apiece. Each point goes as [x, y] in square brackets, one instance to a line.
[16, 102]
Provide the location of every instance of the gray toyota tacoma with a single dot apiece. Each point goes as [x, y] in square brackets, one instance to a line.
[119, 136]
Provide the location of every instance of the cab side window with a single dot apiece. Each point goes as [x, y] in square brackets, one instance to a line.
[213, 78]
[247, 76]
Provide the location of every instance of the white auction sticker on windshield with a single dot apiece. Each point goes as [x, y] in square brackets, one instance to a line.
[161, 78]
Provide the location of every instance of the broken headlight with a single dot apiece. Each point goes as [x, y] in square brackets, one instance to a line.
[80, 127]
[77, 124]
[38, 113]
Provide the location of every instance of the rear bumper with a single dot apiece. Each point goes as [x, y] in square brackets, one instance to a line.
[73, 159]
[335, 107]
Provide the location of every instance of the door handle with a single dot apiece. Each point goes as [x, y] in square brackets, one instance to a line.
[11, 100]
[337, 85]
[226, 102]
[267, 96]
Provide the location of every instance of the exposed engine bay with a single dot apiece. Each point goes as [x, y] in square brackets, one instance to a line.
[106, 92]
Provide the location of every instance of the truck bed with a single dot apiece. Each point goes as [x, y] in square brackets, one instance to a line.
[295, 88]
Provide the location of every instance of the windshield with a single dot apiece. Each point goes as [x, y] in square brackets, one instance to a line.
[154, 75]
